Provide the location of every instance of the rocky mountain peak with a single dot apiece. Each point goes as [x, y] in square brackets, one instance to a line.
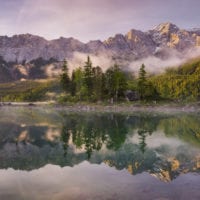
[135, 35]
[122, 48]
[117, 38]
[195, 31]
[116, 43]
[165, 28]
[27, 38]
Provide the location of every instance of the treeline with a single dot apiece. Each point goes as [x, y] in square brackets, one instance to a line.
[182, 83]
[90, 83]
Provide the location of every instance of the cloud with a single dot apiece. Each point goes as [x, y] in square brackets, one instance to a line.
[154, 64]
[79, 59]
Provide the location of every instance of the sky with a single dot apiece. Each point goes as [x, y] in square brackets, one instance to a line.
[93, 19]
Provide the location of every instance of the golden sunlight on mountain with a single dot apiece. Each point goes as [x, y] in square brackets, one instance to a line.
[174, 40]
[131, 36]
[166, 28]
[197, 40]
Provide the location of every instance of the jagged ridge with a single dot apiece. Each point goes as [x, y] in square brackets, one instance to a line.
[133, 45]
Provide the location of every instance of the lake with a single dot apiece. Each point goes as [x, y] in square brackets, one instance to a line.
[53, 154]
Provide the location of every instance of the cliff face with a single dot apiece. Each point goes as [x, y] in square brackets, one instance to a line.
[135, 44]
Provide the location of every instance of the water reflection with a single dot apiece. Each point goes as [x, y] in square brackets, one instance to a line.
[86, 181]
[164, 146]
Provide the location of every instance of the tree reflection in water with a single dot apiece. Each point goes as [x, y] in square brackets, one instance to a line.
[121, 141]
[92, 131]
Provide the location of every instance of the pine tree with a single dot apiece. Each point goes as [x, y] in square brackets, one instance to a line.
[97, 83]
[88, 77]
[64, 78]
[73, 84]
[142, 82]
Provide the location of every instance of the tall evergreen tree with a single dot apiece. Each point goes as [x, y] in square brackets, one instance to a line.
[97, 83]
[88, 77]
[73, 84]
[64, 77]
[142, 82]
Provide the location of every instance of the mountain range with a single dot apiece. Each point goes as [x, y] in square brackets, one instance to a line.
[29, 56]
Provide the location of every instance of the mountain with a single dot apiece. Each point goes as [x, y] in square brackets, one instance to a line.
[19, 53]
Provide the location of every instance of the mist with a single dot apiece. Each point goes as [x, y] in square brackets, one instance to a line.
[78, 60]
[156, 65]
[153, 64]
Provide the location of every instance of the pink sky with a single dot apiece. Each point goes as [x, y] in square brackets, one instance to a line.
[91, 19]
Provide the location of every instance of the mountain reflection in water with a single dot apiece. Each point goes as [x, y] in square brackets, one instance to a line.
[103, 147]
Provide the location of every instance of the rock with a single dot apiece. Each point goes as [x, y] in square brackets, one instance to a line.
[123, 49]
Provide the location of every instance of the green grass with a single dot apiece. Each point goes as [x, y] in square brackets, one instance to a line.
[30, 90]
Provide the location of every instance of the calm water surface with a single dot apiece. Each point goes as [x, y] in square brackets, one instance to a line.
[49, 154]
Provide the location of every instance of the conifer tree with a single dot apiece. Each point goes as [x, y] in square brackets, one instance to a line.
[88, 77]
[142, 82]
[97, 83]
[64, 78]
[73, 84]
